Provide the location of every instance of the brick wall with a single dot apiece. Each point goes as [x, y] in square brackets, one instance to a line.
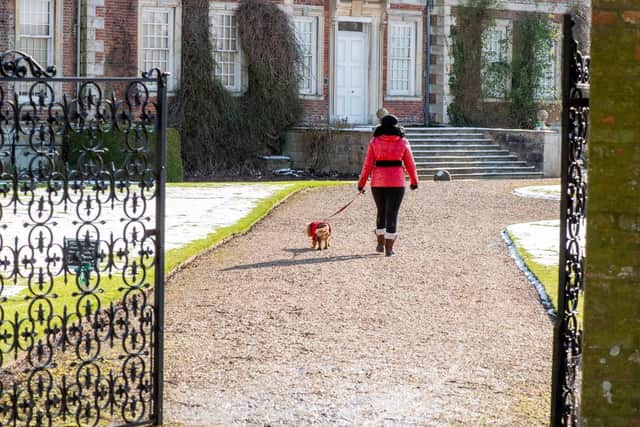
[7, 25]
[611, 370]
[120, 36]
[109, 37]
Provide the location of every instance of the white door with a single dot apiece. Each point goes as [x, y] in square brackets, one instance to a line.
[351, 75]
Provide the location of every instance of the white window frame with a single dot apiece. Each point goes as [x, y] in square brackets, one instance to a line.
[237, 86]
[411, 72]
[51, 42]
[50, 37]
[551, 94]
[504, 26]
[313, 69]
[171, 11]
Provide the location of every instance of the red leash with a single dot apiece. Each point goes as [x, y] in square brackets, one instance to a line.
[345, 206]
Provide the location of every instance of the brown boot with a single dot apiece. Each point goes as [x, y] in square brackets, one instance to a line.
[388, 246]
[380, 247]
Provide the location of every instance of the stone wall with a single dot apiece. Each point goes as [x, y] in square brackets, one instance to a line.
[346, 148]
[611, 360]
[539, 148]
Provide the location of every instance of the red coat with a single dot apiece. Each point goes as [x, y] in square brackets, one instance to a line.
[388, 148]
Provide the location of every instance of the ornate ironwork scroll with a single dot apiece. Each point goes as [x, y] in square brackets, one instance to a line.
[82, 182]
[567, 352]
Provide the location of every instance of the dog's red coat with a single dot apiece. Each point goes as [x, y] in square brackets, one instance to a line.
[313, 227]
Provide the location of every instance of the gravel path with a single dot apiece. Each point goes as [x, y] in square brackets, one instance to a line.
[265, 331]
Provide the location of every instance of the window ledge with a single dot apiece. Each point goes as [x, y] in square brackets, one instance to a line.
[494, 100]
[547, 101]
[402, 98]
[311, 97]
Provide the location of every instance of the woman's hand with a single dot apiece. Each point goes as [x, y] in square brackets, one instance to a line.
[414, 186]
[361, 190]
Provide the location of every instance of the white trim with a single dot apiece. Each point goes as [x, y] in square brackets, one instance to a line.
[54, 43]
[171, 41]
[362, 19]
[390, 236]
[313, 69]
[51, 37]
[229, 10]
[316, 12]
[367, 32]
[411, 66]
[380, 231]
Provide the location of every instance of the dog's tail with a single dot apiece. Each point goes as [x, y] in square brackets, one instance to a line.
[309, 230]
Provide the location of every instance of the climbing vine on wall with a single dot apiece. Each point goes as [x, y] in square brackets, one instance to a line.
[465, 83]
[533, 40]
[516, 82]
[224, 132]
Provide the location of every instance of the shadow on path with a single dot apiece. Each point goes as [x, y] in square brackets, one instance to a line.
[290, 262]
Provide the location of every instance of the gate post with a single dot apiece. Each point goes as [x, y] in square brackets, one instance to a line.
[611, 369]
[161, 155]
[567, 341]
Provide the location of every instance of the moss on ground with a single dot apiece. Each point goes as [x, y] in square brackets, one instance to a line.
[547, 275]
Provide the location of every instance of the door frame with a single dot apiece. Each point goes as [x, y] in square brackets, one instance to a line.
[368, 27]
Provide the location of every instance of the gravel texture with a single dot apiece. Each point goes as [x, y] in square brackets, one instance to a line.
[265, 331]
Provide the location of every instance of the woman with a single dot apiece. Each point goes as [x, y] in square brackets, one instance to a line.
[387, 152]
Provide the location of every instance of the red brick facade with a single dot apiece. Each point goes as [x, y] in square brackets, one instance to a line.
[117, 35]
[121, 37]
[7, 25]
[110, 40]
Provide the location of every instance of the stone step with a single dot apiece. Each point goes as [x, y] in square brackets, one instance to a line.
[413, 136]
[479, 157]
[458, 152]
[418, 142]
[422, 148]
[455, 171]
[470, 163]
[492, 175]
[445, 129]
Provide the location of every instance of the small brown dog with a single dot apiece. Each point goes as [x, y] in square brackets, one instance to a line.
[320, 232]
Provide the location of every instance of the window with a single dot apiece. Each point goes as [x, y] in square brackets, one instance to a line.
[306, 33]
[497, 58]
[157, 39]
[402, 59]
[35, 30]
[226, 49]
[547, 85]
[35, 33]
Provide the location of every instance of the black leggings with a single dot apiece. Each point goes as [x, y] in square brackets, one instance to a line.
[388, 201]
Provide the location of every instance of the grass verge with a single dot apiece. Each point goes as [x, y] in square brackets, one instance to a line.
[547, 275]
[178, 256]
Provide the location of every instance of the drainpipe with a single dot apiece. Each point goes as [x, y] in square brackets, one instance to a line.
[427, 72]
[78, 37]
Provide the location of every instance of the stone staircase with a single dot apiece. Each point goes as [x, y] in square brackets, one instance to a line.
[466, 153]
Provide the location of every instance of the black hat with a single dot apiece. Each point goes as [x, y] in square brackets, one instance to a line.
[388, 126]
[389, 120]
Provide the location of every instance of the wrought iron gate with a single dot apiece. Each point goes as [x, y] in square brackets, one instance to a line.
[82, 182]
[567, 346]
